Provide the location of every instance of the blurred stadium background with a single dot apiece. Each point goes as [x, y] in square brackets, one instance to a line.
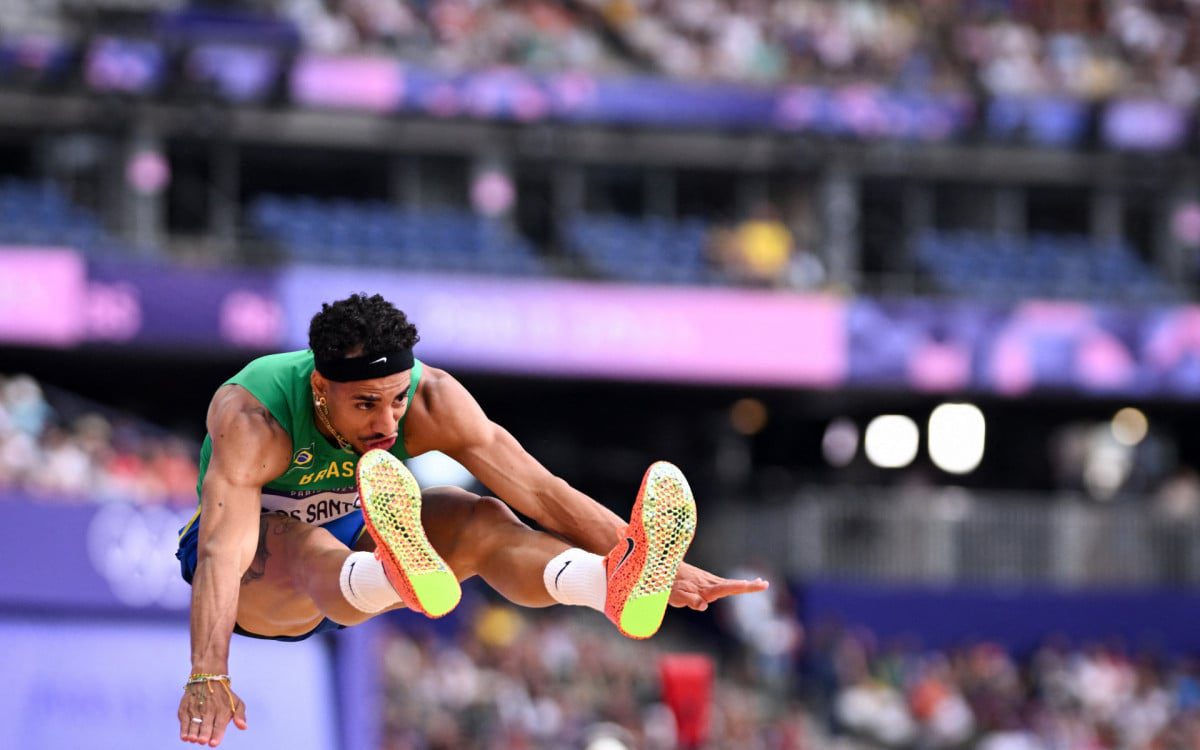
[905, 286]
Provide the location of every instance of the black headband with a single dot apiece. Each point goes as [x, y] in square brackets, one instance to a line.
[346, 369]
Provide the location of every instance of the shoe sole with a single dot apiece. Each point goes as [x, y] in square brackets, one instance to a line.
[391, 506]
[668, 519]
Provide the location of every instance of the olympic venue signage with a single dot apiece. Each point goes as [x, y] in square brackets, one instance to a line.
[101, 557]
[558, 328]
[55, 297]
[83, 682]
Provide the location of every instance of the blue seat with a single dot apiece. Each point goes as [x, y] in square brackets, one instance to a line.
[373, 232]
[645, 250]
[40, 213]
[1040, 265]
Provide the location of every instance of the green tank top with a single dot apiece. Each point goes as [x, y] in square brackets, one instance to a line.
[319, 486]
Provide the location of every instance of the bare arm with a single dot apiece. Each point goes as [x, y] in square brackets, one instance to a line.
[457, 426]
[249, 450]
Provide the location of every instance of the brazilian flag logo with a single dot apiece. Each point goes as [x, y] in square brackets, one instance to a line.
[302, 457]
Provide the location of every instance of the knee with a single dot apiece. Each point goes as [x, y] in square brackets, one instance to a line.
[463, 526]
[489, 517]
[487, 512]
[465, 511]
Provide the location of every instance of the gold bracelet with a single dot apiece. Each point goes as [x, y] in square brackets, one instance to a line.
[209, 679]
[196, 677]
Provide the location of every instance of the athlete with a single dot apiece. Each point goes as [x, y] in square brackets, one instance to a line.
[308, 521]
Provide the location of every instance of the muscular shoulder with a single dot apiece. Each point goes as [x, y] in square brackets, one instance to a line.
[249, 446]
[443, 413]
[436, 384]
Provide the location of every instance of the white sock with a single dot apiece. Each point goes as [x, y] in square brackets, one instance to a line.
[577, 577]
[365, 585]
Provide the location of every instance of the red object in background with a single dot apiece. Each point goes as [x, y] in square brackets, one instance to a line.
[687, 681]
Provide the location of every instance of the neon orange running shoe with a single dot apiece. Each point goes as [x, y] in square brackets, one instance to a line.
[391, 507]
[641, 568]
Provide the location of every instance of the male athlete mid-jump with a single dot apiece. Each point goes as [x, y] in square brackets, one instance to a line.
[303, 456]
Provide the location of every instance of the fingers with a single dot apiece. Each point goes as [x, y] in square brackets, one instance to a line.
[689, 599]
[204, 728]
[679, 597]
[205, 723]
[711, 590]
[749, 587]
[731, 588]
[224, 715]
[696, 602]
[191, 720]
[187, 728]
[220, 722]
[239, 716]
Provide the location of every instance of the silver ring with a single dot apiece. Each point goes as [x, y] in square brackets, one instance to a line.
[197, 720]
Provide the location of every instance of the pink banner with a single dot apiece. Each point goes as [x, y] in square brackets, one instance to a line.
[41, 296]
[373, 84]
[597, 329]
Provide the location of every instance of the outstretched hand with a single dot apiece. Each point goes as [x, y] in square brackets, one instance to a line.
[214, 709]
[696, 588]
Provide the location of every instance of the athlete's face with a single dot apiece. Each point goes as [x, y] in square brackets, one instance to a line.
[366, 413]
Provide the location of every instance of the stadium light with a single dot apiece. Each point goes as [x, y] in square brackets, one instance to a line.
[748, 416]
[956, 437]
[1129, 426]
[891, 441]
[840, 442]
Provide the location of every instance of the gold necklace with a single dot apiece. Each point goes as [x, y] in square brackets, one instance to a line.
[322, 410]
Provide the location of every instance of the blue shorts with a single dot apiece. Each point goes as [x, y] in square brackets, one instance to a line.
[346, 530]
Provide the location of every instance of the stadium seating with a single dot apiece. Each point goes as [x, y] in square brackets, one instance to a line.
[1003, 49]
[641, 250]
[344, 232]
[991, 266]
[39, 213]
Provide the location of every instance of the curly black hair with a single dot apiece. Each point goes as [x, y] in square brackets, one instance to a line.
[360, 326]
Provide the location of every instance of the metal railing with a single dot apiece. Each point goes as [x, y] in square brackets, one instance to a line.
[942, 535]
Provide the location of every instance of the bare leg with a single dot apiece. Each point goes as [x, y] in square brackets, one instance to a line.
[482, 536]
[294, 580]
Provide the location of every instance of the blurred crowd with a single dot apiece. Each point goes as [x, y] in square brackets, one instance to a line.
[462, 34]
[516, 678]
[1088, 49]
[1099, 697]
[65, 451]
